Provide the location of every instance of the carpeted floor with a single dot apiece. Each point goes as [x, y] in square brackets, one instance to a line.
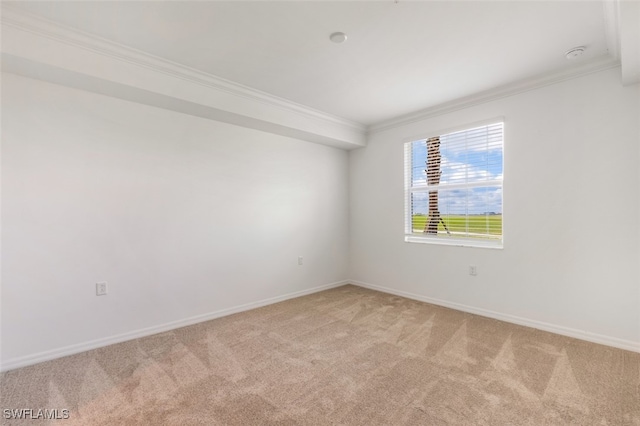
[346, 356]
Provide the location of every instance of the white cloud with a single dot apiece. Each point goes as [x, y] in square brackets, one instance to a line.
[456, 172]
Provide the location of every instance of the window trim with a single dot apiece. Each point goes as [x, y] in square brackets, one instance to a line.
[409, 236]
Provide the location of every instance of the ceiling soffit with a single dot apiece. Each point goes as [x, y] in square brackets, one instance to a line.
[44, 49]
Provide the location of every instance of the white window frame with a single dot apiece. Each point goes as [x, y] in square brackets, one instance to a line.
[409, 236]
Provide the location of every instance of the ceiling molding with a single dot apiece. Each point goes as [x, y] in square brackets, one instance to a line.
[253, 100]
[23, 67]
[596, 65]
[143, 72]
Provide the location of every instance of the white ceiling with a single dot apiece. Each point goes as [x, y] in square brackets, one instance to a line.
[399, 57]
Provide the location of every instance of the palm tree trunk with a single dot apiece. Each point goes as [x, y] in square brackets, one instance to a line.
[433, 178]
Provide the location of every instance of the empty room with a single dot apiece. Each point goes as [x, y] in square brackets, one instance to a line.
[320, 212]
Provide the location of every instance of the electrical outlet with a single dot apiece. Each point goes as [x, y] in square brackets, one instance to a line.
[300, 259]
[473, 270]
[101, 288]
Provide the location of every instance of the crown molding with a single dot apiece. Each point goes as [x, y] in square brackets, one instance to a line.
[343, 133]
[598, 64]
[44, 29]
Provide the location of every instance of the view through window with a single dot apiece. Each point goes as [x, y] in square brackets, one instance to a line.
[453, 187]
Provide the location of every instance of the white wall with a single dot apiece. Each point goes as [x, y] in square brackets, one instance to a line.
[185, 217]
[571, 214]
[182, 216]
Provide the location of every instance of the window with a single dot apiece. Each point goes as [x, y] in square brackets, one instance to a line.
[453, 187]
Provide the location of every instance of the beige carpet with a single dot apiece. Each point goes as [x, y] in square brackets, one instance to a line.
[346, 356]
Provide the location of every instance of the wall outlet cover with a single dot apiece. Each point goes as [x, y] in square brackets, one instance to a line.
[101, 288]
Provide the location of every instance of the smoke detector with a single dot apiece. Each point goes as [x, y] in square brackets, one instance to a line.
[574, 53]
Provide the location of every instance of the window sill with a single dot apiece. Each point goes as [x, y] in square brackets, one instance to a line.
[459, 242]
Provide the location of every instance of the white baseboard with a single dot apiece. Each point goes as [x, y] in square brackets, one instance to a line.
[24, 361]
[615, 342]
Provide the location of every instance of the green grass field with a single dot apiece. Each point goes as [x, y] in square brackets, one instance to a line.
[491, 224]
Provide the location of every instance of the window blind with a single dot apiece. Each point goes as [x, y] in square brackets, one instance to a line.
[453, 187]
